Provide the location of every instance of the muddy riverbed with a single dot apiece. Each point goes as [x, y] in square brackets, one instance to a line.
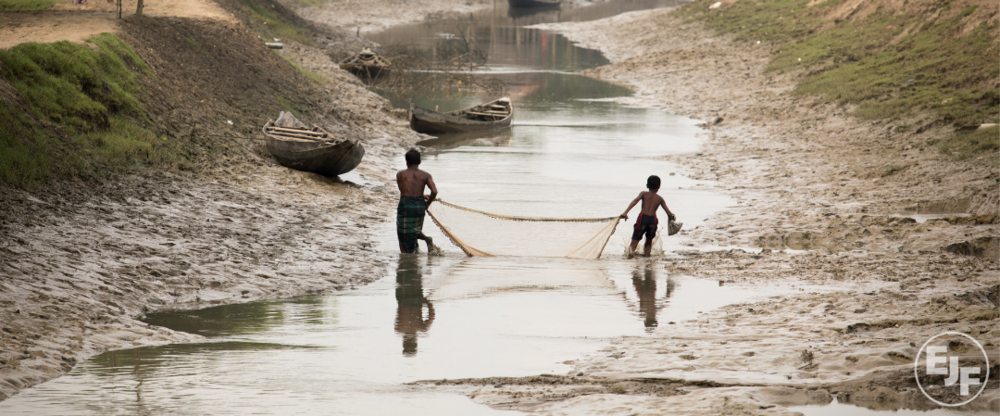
[856, 282]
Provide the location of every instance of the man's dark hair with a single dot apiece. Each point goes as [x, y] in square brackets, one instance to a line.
[653, 182]
[413, 157]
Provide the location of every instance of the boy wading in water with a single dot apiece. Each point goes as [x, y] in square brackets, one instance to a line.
[413, 204]
[646, 223]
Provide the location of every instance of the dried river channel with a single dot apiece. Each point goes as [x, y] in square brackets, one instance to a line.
[573, 152]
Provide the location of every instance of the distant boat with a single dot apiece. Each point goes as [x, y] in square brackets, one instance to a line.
[492, 115]
[533, 3]
[366, 63]
[311, 149]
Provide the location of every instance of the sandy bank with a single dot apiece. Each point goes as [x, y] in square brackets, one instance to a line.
[81, 262]
[873, 284]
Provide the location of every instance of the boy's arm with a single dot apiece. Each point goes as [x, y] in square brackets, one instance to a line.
[634, 201]
[434, 190]
[670, 215]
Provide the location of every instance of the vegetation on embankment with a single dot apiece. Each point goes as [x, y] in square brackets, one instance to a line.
[24, 5]
[83, 115]
[270, 19]
[163, 94]
[886, 60]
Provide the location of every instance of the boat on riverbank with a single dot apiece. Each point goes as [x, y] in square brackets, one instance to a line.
[366, 63]
[534, 3]
[311, 149]
[492, 115]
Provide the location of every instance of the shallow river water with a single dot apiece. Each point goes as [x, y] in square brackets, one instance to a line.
[572, 152]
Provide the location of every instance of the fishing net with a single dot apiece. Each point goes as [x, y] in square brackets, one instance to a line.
[480, 233]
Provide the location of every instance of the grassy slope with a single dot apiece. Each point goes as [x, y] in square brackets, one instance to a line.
[82, 112]
[83, 117]
[887, 62]
[22, 5]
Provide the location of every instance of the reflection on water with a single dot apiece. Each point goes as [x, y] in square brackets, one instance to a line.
[644, 281]
[455, 317]
[570, 153]
[508, 43]
[494, 138]
[230, 320]
[410, 319]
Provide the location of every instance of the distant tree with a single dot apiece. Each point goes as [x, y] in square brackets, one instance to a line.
[138, 8]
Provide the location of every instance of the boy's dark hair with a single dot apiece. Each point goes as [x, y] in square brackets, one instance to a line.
[413, 157]
[653, 182]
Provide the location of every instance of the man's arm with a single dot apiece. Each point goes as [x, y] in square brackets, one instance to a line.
[434, 190]
[634, 201]
[670, 215]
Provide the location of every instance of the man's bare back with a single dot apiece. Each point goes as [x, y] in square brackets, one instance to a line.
[413, 204]
[411, 182]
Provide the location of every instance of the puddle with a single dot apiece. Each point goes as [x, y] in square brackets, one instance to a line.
[879, 409]
[951, 206]
[432, 318]
[572, 152]
[922, 218]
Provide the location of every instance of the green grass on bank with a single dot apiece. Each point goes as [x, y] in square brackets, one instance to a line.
[89, 103]
[275, 27]
[23, 5]
[317, 78]
[871, 62]
[981, 144]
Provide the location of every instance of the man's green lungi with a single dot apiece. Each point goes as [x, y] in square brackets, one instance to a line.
[410, 221]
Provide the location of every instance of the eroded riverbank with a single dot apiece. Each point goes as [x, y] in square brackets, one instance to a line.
[808, 178]
[778, 168]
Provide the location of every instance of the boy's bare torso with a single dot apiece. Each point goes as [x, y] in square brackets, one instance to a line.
[650, 202]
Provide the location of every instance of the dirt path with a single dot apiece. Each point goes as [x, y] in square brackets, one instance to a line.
[828, 197]
[77, 22]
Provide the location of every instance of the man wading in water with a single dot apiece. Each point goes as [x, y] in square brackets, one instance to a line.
[413, 204]
[646, 223]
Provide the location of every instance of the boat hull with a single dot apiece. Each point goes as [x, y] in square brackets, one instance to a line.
[370, 71]
[476, 118]
[430, 122]
[328, 159]
[311, 149]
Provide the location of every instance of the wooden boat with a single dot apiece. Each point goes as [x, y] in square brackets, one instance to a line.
[492, 115]
[366, 63]
[533, 3]
[311, 149]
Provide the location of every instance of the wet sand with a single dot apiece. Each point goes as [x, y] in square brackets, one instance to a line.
[80, 263]
[815, 195]
[77, 272]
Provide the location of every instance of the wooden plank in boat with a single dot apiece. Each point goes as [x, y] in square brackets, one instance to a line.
[486, 114]
[298, 131]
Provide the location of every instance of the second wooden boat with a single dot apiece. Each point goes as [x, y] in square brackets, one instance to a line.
[492, 115]
[367, 64]
[311, 149]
